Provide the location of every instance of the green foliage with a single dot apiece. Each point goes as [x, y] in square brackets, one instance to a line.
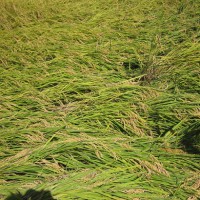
[100, 99]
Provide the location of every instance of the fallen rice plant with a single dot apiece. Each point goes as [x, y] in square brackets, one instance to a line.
[99, 99]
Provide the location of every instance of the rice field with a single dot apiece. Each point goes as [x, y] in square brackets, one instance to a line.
[99, 100]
